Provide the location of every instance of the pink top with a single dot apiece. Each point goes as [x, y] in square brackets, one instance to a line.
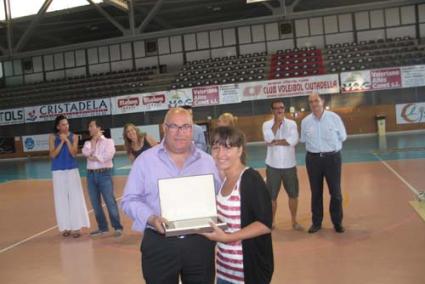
[103, 152]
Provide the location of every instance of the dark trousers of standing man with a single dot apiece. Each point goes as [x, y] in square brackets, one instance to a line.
[328, 166]
[164, 259]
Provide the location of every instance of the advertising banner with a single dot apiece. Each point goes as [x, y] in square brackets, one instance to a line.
[78, 109]
[355, 82]
[413, 76]
[410, 113]
[12, 116]
[387, 78]
[182, 97]
[35, 143]
[230, 94]
[293, 87]
[205, 96]
[139, 103]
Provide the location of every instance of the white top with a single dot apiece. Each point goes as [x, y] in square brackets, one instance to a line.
[323, 135]
[280, 156]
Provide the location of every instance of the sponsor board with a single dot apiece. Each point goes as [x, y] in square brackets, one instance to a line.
[12, 116]
[78, 109]
[34, 143]
[413, 76]
[303, 86]
[410, 113]
[205, 96]
[355, 82]
[230, 94]
[181, 97]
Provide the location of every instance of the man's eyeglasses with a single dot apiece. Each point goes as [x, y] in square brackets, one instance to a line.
[277, 108]
[174, 127]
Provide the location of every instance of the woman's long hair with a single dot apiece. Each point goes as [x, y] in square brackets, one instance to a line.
[127, 142]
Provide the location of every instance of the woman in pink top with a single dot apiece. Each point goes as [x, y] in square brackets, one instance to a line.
[244, 250]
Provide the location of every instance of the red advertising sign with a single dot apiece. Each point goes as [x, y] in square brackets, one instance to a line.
[205, 96]
[382, 79]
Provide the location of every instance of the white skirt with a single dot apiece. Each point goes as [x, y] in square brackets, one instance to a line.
[70, 205]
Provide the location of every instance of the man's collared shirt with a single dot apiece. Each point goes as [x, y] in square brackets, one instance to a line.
[104, 151]
[281, 156]
[323, 135]
[141, 196]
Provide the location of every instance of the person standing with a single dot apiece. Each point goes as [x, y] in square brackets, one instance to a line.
[197, 133]
[70, 205]
[281, 137]
[323, 132]
[136, 142]
[99, 152]
[226, 119]
[165, 259]
[244, 251]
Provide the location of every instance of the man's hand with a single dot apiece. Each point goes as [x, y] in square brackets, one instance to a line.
[276, 125]
[158, 223]
[92, 158]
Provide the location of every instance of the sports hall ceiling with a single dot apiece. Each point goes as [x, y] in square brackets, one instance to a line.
[87, 23]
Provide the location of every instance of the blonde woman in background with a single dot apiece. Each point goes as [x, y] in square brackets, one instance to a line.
[227, 119]
[135, 141]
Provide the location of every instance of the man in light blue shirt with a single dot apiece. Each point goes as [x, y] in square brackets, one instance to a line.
[197, 133]
[323, 132]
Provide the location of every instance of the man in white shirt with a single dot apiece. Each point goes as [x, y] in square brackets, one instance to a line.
[281, 136]
[323, 133]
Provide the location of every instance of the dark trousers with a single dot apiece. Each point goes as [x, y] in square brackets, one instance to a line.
[164, 259]
[326, 166]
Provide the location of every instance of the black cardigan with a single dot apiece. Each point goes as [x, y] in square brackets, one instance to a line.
[256, 206]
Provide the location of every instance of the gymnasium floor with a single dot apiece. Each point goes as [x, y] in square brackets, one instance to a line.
[384, 241]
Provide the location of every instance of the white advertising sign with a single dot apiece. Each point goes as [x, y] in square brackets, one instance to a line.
[410, 113]
[88, 108]
[33, 143]
[12, 116]
[293, 87]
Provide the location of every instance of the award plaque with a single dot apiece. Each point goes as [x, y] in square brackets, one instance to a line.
[189, 204]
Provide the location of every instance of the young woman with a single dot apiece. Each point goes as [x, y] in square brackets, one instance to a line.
[244, 250]
[70, 205]
[135, 141]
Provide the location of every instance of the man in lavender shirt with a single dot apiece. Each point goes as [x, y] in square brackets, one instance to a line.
[164, 260]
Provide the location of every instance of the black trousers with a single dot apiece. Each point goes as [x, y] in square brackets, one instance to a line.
[326, 166]
[164, 259]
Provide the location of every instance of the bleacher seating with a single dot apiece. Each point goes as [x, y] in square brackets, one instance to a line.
[222, 70]
[373, 54]
[82, 87]
[296, 62]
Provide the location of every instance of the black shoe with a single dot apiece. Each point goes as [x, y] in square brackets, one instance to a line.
[314, 228]
[339, 229]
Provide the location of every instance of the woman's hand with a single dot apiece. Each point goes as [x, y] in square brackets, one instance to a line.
[63, 138]
[217, 234]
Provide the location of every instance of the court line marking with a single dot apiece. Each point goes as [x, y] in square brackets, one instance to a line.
[126, 167]
[40, 233]
[409, 186]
